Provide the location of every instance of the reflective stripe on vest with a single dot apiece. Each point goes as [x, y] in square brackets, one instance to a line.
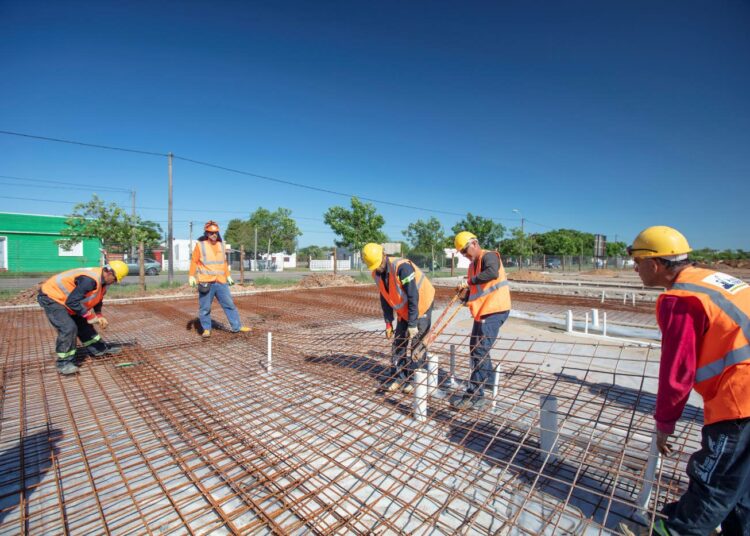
[425, 290]
[206, 262]
[738, 355]
[483, 292]
[92, 298]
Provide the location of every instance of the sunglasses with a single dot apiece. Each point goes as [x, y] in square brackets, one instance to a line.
[631, 250]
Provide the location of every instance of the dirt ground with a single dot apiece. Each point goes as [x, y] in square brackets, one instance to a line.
[325, 280]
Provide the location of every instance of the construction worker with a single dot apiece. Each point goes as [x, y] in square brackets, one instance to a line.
[487, 295]
[405, 290]
[72, 301]
[704, 317]
[209, 271]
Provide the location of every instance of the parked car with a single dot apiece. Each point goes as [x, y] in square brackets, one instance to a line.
[151, 267]
[553, 264]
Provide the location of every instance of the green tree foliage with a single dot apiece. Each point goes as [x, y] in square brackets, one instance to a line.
[314, 252]
[488, 232]
[566, 242]
[111, 224]
[426, 237]
[278, 227]
[712, 255]
[616, 249]
[355, 227]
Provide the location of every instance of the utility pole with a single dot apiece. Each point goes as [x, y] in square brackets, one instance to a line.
[170, 231]
[255, 249]
[191, 237]
[523, 237]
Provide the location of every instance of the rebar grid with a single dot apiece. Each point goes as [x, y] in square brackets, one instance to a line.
[198, 438]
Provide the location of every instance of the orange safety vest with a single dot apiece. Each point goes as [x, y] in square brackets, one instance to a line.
[492, 296]
[58, 287]
[722, 375]
[395, 295]
[212, 265]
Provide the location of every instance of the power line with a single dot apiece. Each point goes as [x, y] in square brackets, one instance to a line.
[72, 142]
[62, 184]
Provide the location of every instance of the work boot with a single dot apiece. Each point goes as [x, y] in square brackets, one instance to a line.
[243, 329]
[631, 528]
[102, 348]
[467, 401]
[206, 333]
[391, 386]
[407, 388]
[66, 367]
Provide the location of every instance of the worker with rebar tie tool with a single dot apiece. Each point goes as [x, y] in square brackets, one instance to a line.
[704, 317]
[209, 271]
[487, 295]
[405, 290]
[72, 301]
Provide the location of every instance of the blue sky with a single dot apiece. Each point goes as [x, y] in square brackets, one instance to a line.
[601, 116]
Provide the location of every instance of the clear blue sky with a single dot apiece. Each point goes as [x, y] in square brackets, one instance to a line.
[601, 116]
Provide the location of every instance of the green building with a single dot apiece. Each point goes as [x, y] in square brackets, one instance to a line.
[28, 244]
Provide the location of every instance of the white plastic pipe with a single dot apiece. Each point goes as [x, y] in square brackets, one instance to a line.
[586, 326]
[602, 296]
[595, 318]
[432, 374]
[452, 377]
[644, 496]
[569, 321]
[625, 298]
[420, 395]
[268, 362]
[604, 323]
[633, 299]
[495, 385]
[548, 426]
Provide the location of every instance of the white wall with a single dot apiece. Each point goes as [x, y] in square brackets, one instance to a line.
[461, 263]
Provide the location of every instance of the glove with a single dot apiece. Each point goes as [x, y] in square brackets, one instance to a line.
[388, 331]
[103, 322]
[230, 281]
[191, 281]
[91, 317]
[463, 284]
[412, 332]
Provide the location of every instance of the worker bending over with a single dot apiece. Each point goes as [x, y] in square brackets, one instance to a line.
[209, 270]
[704, 317]
[405, 290]
[488, 297]
[72, 301]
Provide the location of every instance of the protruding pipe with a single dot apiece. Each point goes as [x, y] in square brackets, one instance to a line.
[452, 377]
[495, 385]
[432, 373]
[420, 395]
[268, 362]
[569, 321]
[602, 296]
[586, 325]
[644, 496]
[604, 323]
[595, 318]
[633, 299]
[548, 426]
[625, 298]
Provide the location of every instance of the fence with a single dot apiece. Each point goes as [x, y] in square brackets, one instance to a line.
[327, 265]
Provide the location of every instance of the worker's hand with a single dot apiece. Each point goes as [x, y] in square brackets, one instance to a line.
[388, 331]
[191, 281]
[91, 317]
[412, 332]
[230, 281]
[103, 322]
[661, 443]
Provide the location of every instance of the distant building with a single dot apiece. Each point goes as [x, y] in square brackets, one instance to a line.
[462, 262]
[28, 243]
[392, 248]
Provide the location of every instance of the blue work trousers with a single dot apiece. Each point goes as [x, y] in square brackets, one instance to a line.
[221, 291]
[719, 488]
[483, 335]
[402, 367]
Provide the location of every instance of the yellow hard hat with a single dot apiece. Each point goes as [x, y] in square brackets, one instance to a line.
[372, 254]
[462, 239]
[659, 241]
[119, 268]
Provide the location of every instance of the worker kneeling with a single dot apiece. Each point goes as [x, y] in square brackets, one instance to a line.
[72, 301]
[209, 271]
[405, 290]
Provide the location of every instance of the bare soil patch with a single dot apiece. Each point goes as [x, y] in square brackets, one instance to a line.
[325, 280]
[526, 275]
[602, 272]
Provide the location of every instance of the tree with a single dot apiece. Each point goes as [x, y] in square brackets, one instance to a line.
[426, 237]
[488, 232]
[111, 224]
[277, 231]
[616, 249]
[355, 227]
[314, 252]
[566, 242]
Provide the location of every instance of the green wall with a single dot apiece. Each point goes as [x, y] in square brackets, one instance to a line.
[31, 244]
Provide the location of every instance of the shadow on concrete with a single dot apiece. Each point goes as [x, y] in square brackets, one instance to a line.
[23, 466]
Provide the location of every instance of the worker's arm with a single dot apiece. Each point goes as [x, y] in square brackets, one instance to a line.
[490, 269]
[408, 279]
[84, 285]
[384, 305]
[683, 322]
[194, 260]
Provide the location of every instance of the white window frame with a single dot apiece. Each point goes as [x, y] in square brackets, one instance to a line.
[5, 253]
[75, 251]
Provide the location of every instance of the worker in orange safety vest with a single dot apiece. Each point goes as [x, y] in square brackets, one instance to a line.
[405, 291]
[704, 317]
[488, 297]
[72, 301]
[209, 271]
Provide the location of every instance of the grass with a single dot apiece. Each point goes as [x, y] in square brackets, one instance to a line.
[10, 293]
[121, 291]
[275, 283]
